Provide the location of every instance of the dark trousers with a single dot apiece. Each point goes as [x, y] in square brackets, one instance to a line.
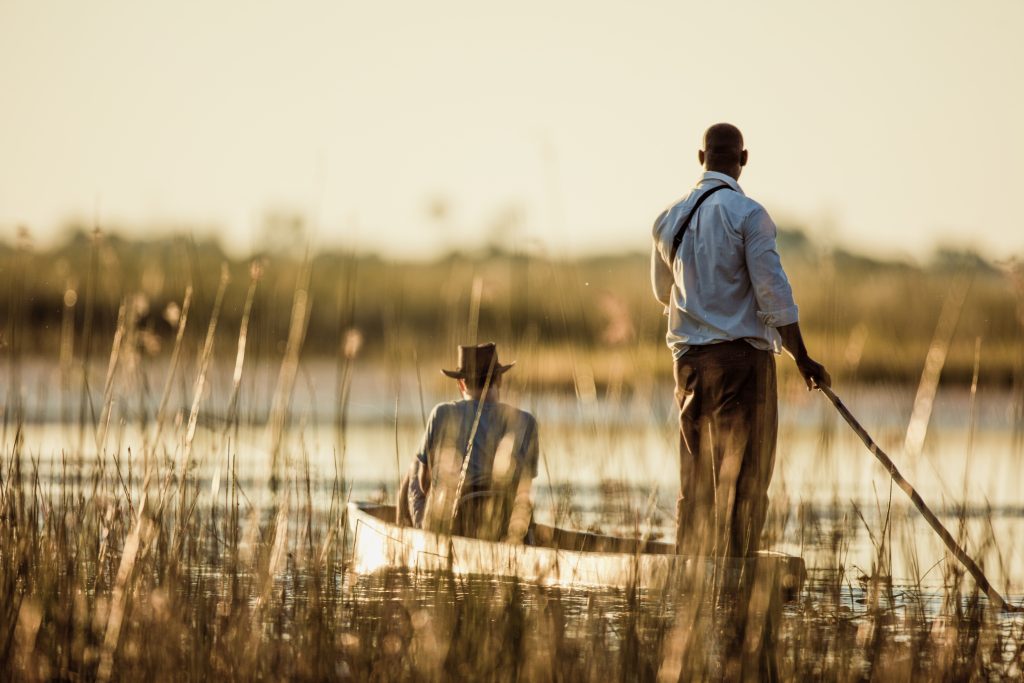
[728, 422]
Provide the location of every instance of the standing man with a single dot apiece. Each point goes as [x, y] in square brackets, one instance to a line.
[716, 270]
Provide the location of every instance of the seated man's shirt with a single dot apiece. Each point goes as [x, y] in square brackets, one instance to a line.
[503, 456]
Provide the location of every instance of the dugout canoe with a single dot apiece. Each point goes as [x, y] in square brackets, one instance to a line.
[558, 557]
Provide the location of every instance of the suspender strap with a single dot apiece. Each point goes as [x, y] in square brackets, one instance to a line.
[678, 239]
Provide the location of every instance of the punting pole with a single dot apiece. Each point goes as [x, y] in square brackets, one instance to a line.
[994, 597]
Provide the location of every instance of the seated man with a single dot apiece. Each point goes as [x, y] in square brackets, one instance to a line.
[477, 451]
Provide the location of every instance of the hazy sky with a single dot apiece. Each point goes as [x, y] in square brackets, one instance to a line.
[883, 126]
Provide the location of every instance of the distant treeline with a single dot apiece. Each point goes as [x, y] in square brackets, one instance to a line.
[876, 318]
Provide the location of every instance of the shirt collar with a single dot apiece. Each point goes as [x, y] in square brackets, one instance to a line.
[715, 175]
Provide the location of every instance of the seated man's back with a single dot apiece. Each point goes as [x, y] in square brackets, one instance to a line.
[481, 452]
[502, 450]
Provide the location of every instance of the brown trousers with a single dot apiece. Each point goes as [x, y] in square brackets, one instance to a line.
[728, 422]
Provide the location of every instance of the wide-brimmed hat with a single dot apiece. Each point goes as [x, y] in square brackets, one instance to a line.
[477, 361]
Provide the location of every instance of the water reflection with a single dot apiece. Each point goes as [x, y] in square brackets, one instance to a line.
[621, 481]
[252, 574]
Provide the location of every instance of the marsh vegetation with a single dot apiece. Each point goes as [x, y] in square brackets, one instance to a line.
[181, 433]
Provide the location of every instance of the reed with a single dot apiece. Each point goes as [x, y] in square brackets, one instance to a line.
[108, 574]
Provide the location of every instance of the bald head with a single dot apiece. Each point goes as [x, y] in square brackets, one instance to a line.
[723, 150]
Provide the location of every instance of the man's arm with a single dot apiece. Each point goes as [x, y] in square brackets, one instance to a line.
[426, 446]
[522, 511]
[775, 297]
[771, 287]
[814, 373]
[424, 478]
[775, 304]
[522, 501]
[661, 274]
[416, 499]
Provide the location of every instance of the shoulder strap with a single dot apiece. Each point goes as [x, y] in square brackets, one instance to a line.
[678, 239]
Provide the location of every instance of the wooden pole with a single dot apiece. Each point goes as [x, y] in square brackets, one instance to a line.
[947, 538]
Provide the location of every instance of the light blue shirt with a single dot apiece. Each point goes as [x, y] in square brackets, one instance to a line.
[501, 432]
[501, 443]
[727, 280]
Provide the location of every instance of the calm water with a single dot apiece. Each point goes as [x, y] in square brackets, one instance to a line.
[610, 463]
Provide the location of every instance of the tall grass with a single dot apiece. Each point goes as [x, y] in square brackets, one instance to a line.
[95, 591]
[112, 568]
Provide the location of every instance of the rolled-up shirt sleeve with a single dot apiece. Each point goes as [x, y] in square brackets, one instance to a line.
[775, 303]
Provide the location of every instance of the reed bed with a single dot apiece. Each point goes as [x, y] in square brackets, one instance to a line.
[147, 555]
[101, 582]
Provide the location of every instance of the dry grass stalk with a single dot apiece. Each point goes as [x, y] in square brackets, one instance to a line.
[938, 350]
[108, 384]
[289, 367]
[172, 369]
[197, 396]
[140, 535]
[236, 379]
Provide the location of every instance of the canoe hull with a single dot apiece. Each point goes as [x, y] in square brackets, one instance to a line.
[379, 544]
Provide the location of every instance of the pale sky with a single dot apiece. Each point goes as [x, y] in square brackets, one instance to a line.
[885, 127]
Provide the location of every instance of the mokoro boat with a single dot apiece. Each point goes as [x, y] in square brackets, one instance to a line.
[557, 557]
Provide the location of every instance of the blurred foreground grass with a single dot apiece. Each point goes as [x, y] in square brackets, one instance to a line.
[112, 574]
[120, 561]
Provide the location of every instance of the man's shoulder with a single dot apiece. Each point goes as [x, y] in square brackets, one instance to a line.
[458, 409]
[746, 203]
[682, 203]
[669, 216]
[524, 417]
[444, 410]
[739, 211]
[733, 200]
[736, 202]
